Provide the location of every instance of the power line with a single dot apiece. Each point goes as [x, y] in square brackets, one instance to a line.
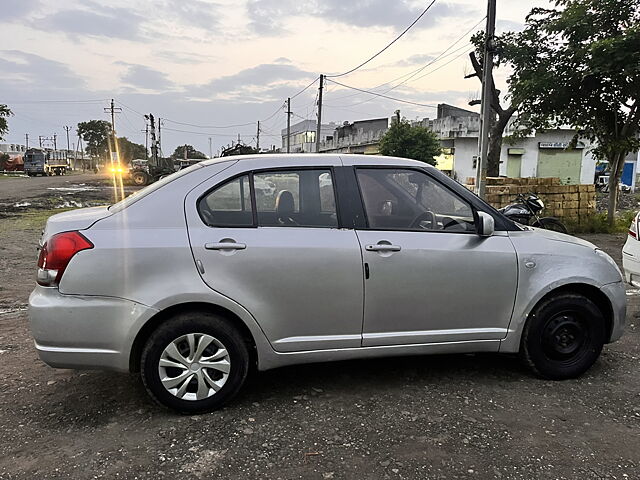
[384, 96]
[207, 134]
[305, 88]
[57, 101]
[413, 73]
[388, 45]
[209, 126]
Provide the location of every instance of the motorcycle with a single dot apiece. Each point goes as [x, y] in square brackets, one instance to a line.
[526, 212]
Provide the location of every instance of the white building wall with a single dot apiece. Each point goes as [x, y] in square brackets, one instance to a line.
[467, 148]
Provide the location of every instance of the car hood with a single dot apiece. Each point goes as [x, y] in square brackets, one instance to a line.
[79, 219]
[560, 237]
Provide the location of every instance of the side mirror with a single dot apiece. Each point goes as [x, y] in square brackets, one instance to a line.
[486, 224]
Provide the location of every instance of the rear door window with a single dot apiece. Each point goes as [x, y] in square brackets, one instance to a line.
[229, 205]
[295, 198]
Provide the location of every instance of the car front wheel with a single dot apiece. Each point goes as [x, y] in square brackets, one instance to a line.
[563, 337]
[194, 363]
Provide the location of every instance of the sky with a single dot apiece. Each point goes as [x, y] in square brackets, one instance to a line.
[213, 68]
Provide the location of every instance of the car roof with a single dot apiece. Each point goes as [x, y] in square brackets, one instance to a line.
[313, 158]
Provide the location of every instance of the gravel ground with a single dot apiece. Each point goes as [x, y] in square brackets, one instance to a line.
[463, 416]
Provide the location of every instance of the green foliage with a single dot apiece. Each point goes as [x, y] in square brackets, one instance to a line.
[598, 223]
[4, 157]
[578, 64]
[191, 152]
[95, 134]
[406, 141]
[4, 125]
[129, 150]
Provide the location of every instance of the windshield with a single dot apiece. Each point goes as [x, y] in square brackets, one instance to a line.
[134, 197]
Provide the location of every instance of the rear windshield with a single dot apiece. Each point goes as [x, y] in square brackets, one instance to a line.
[134, 197]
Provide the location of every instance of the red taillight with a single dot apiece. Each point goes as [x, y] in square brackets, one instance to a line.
[56, 254]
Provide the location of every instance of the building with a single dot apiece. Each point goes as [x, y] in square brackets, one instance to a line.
[13, 149]
[303, 136]
[362, 136]
[543, 154]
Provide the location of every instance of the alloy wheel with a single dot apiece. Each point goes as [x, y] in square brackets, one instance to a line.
[194, 366]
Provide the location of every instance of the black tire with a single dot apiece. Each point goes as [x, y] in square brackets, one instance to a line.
[563, 337]
[549, 223]
[187, 323]
[140, 178]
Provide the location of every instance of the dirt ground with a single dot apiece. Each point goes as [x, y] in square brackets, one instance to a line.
[463, 416]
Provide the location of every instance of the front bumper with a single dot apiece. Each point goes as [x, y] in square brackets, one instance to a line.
[617, 294]
[75, 331]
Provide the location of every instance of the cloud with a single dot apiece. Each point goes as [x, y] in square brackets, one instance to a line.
[95, 21]
[262, 79]
[265, 15]
[198, 13]
[29, 73]
[417, 59]
[143, 77]
[16, 9]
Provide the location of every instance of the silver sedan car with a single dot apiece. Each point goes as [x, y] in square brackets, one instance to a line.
[202, 276]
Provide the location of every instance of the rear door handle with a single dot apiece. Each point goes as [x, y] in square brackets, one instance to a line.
[381, 247]
[225, 246]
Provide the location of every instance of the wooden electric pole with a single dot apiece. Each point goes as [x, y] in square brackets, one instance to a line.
[258, 138]
[319, 125]
[67, 128]
[288, 125]
[487, 75]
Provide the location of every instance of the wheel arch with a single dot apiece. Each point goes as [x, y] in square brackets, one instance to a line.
[593, 293]
[162, 316]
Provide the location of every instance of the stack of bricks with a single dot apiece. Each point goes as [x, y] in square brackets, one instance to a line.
[564, 201]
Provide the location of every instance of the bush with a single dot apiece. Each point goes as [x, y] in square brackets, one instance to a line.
[597, 223]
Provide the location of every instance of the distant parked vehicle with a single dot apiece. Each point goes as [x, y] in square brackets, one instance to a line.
[203, 276]
[631, 253]
[526, 211]
[42, 162]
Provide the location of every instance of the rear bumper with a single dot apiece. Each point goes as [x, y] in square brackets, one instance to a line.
[74, 331]
[631, 266]
[617, 294]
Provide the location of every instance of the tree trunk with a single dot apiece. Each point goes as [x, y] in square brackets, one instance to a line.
[616, 165]
[493, 156]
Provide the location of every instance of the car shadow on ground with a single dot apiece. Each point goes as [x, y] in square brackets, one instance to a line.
[89, 399]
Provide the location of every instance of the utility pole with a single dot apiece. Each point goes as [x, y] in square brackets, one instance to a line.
[113, 110]
[186, 157]
[487, 75]
[67, 128]
[210, 149]
[258, 138]
[154, 144]
[288, 125]
[146, 140]
[160, 133]
[55, 141]
[40, 140]
[26, 137]
[319, 126]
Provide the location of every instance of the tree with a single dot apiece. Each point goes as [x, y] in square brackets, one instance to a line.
[191, 152]
[407, 141]
[578, 64]
[95, 134]
[4, 125]
[502, 115]
[130, 150]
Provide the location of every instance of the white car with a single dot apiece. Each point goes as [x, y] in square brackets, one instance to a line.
[631, 254]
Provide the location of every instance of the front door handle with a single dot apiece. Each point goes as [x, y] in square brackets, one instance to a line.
[382, 247]
[225, 246]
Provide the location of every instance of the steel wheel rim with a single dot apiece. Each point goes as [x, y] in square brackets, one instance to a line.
[194, 366]
[565, 336]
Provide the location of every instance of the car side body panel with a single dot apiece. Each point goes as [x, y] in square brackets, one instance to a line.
[548, 261]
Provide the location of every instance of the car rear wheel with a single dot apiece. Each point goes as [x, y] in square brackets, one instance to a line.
[563, 337]
[194, 363]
